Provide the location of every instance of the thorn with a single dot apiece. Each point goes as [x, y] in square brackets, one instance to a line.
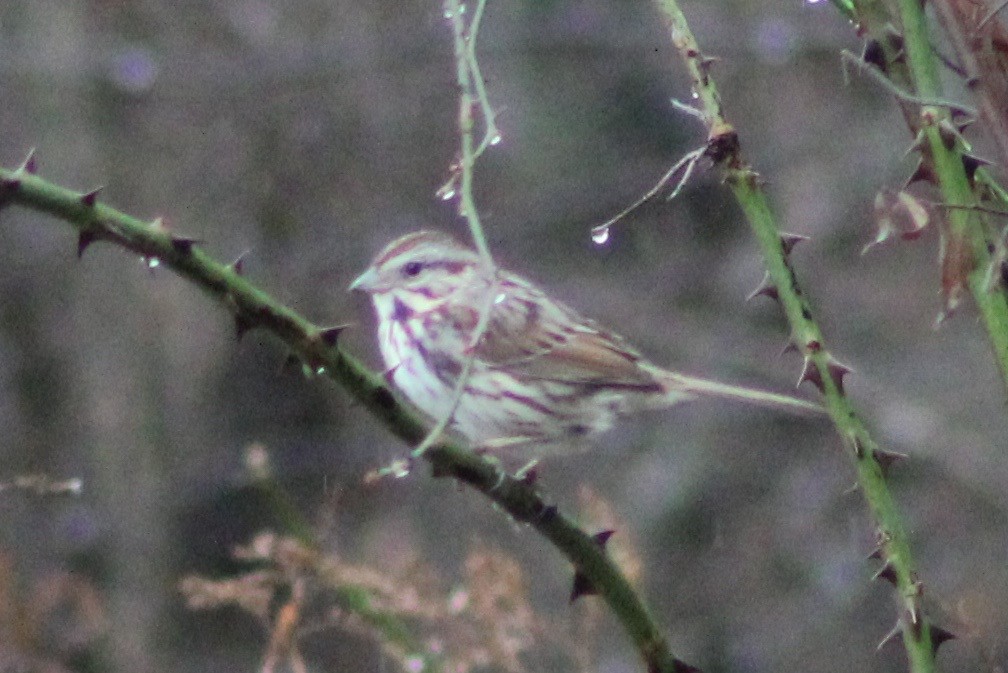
[852, 489]
[389, 374]
[29, 165]
[811, 373]
[243, 325]
[922, 173]
[889, 637]
[859, 451]
[837, 372]
[948, 134]
[887, 572]
[680, 666]
[964, 123]
[84, 239]
[914, 617]
[548, 513]
[90, 198]
[582, 586]
[530, 477]
[877, 553]
[183, 244]
[939, 636]
[789, 347]
[894, 36]
[789, 241]
[972, 162]
[602, 537]
[885, 459]
[330, 335]
[765, 288]
[874, 55]
[238, 266]
[920, 140]
[707, 62]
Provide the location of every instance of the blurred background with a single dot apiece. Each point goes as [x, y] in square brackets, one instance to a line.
[310, 133]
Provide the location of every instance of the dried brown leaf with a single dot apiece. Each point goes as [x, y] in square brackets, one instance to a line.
[957, 262]
[898, 213]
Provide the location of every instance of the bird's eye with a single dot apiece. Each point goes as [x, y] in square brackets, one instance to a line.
[412, 268]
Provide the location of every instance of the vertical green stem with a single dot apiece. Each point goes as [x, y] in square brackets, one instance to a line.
[820, 367]
[966, 233]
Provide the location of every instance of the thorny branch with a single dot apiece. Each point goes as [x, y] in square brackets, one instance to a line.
[319, 348]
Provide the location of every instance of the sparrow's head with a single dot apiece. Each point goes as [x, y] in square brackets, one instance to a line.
[425, 263]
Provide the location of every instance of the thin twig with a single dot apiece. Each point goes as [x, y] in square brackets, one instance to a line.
[690, 160]
[879, 77]
[471, 89]
[460, 388]
[991, 14]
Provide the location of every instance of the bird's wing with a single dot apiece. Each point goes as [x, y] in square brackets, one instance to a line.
[535, 337]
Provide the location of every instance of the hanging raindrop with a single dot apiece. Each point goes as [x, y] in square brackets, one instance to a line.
[600, 235]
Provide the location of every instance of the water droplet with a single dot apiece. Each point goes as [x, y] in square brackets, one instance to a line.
[152, 262]
[462, 9]
[448, 14]
[446, 193]
[600, 235]
[500, 298]
[319, 371]
[696, 94]
[496, 140]
[399, 469]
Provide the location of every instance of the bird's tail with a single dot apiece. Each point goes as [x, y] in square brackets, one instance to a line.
[681, 387]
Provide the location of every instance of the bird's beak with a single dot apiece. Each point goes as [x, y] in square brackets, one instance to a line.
[365, 282]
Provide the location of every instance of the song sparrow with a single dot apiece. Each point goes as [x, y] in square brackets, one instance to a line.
[541, 373]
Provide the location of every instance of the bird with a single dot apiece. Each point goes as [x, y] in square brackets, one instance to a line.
[541, 374]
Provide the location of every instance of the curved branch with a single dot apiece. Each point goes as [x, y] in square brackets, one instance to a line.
[318, 347]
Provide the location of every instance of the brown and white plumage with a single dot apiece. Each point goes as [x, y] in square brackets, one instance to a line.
[541, 373]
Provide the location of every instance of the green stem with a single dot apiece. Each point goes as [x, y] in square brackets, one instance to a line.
[967, 228]
[820, 366]
[466, 74]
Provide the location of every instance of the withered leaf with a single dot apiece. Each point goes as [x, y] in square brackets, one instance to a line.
[898, 213]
